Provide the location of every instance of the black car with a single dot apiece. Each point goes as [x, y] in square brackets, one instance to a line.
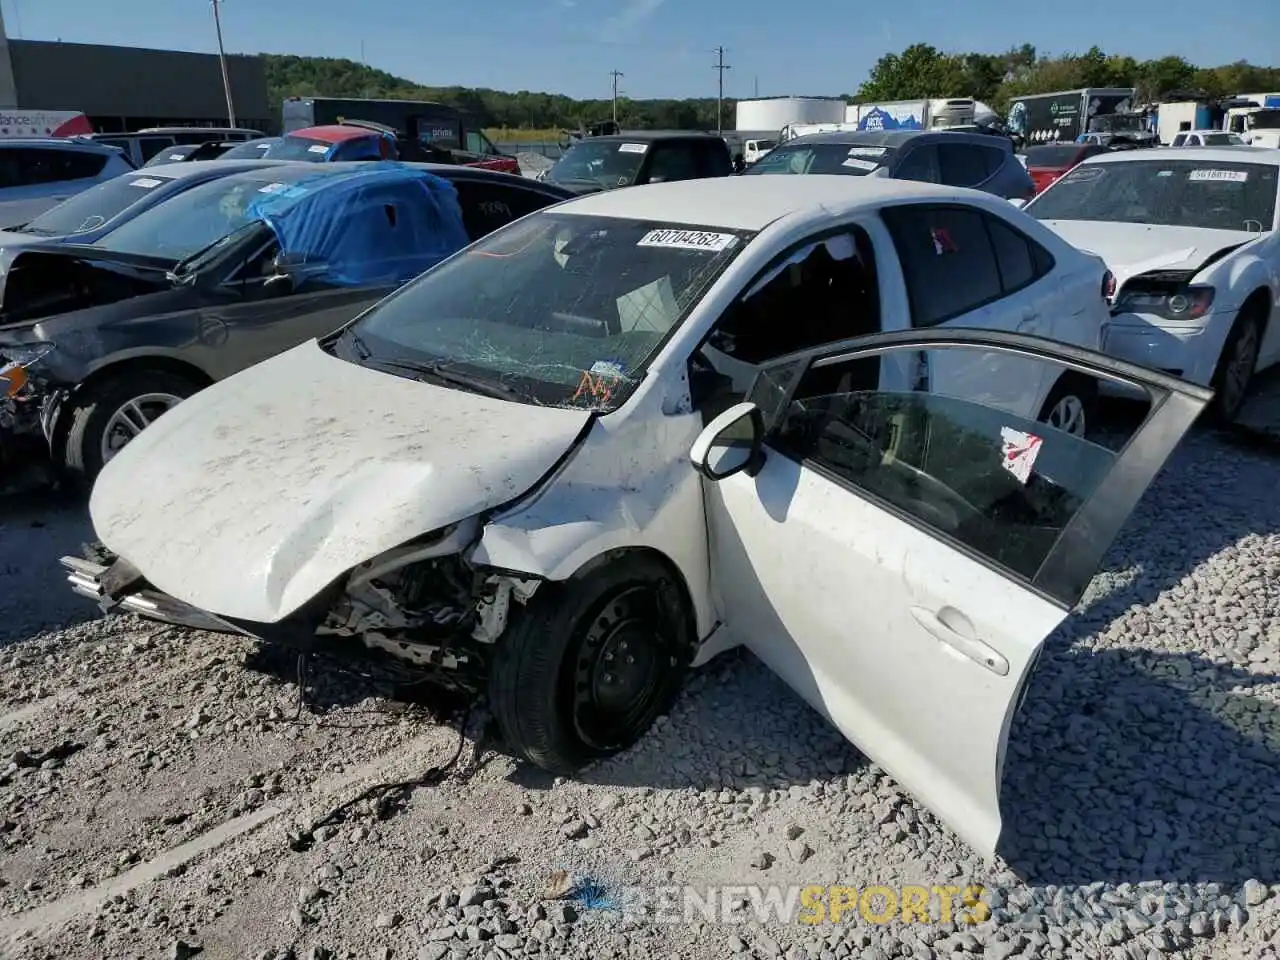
[645, 156]
[976, 160]
[99, 339]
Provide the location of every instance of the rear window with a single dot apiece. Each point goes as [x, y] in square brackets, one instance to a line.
[851, 159]
[300, 148]
[1053, 155]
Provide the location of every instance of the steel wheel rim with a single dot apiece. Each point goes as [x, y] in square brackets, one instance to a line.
[1068, 415]
[131, 418]
[1239, 369]
[620, 670]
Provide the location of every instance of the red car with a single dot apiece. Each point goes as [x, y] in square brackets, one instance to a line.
[1047, 163]
[362, 140]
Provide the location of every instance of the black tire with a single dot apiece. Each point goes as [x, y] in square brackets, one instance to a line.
[1248, 329]
[1072, 386]
[89, 414]
[549, 706]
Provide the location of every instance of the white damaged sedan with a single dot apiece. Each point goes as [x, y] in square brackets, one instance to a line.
[633, 430]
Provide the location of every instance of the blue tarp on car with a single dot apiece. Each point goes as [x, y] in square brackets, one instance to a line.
[384, 223]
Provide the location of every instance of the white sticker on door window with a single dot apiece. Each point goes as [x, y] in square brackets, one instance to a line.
[633, 148]
[688, 240]
[1019, 452]
[860, 164]
[1221, 176]
[145, 182]
[319, 148]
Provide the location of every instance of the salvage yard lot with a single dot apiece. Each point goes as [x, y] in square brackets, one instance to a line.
[1141, 784]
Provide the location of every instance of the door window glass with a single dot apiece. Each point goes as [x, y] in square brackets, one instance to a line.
[150, 146]
[948, 261]
[672, 162]
[30, 166]
[488, 206]
[963, 164]
[919, 164]
[823, 292]
[1022, 261]
[988, 477]
[477, 142]
[713, 160]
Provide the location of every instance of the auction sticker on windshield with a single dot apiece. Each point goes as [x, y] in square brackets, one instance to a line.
[868, 151]
[860, 164]
[319, 148]
[1221, 176]
[146, 183]
[688, 240]
[633, 148]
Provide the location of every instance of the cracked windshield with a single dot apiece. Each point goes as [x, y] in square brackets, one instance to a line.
[557, 309]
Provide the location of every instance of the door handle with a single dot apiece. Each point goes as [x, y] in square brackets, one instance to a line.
[971, 647]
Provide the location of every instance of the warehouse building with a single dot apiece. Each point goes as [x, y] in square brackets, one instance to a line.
[128, 88]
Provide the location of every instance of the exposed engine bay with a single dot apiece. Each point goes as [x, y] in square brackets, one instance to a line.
[40, 284]
[422, 604]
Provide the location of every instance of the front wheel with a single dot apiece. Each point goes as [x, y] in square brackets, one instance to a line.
[1071, 404]
[588, 666]
[1234, 374]
[106, 416]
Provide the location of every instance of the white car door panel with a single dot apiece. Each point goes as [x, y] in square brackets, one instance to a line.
[895, 559]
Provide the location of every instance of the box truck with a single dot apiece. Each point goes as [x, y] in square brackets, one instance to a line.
[1062, 116]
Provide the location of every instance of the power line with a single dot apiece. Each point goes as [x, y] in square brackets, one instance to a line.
[615, 74]
[720, 67]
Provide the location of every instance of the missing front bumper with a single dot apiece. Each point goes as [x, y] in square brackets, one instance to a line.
[91, 580]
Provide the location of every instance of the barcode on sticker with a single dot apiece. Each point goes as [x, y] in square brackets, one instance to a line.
[147, 182]
[633, 148]
[860, 164]
[688, 240]
[1222, 176]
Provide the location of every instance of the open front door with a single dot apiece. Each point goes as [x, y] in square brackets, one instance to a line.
[899, 555]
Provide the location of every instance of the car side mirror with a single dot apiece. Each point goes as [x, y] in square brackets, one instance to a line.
[731, 443]
[289, 271]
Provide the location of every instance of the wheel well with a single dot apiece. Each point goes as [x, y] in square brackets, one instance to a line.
[1258, 302]
[132, 365]
[677, 577]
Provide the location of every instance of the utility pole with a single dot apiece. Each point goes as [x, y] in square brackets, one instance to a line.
[615, 74]
[756, 87]
[721, 67]
[222, 59]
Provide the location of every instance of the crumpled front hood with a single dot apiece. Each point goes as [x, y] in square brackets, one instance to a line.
[1133, 248]
[254, 495]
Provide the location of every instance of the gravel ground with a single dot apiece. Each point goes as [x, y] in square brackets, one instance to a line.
[159, 796]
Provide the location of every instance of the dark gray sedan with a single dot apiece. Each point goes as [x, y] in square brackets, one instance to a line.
[975, 160]
[97, 340]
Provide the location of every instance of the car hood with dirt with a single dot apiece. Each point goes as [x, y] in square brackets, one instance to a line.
[268, 490]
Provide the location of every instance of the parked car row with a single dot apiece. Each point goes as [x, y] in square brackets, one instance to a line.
[554, 444]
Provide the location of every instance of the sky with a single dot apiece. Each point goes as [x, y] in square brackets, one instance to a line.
[664, 48]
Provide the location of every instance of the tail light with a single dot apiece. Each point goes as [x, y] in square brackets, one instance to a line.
[1108, 286]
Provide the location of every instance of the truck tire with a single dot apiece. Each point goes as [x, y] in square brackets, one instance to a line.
[588, 665]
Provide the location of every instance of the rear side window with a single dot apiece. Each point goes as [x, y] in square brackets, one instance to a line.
[994, 159]
[672, 161]
[963, 164]
[488, 206]
[1021, 260]
[31, 166]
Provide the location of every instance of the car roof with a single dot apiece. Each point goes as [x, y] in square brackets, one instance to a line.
[896, 138]
[1267, 155]
[752, 203]
[184, 169]
[334, 133]
[642, 135]
[155, 130]
[61, 143]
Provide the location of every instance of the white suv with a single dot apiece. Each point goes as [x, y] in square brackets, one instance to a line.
[39, 173]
